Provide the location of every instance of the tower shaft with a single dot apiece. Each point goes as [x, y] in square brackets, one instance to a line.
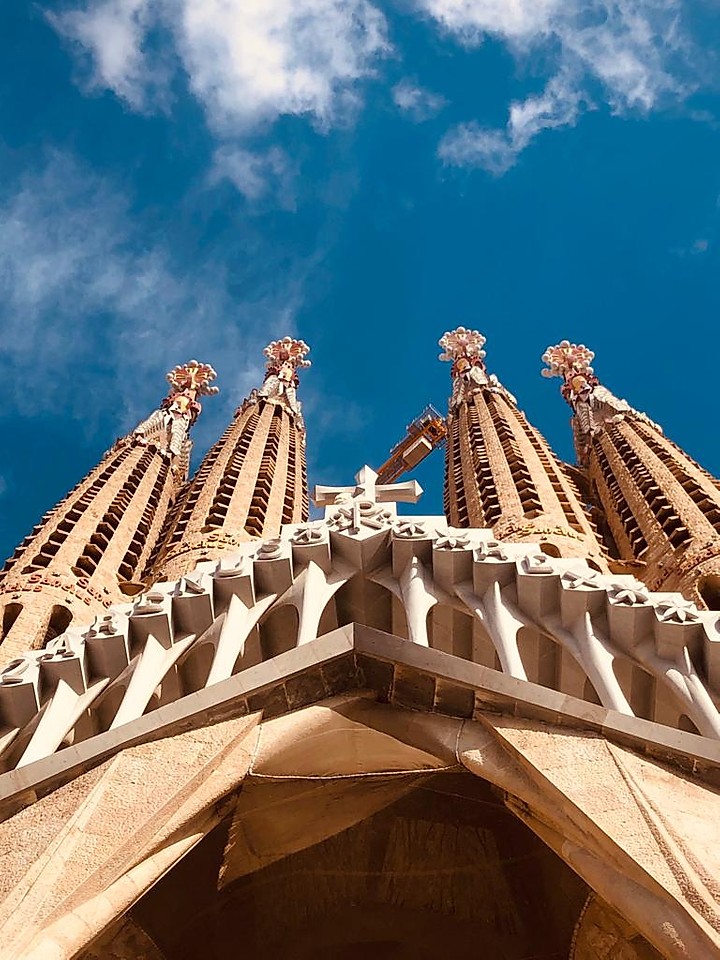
[662, 508]
[86, 552]
[251, 481]
[71, 564]
[500, 472]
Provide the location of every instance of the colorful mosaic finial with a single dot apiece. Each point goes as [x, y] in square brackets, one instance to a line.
[193, 376]
[566, 359]
[286, 352]
[593, 405]
[169, 426]
[464, 349]
[571, 361]
[463, 344]
[284, 358]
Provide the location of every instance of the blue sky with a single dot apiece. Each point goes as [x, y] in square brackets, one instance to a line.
[191, 178]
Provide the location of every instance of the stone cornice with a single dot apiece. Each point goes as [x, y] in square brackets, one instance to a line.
[185, 637]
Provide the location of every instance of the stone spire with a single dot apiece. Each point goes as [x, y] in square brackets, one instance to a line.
[499, 470]
[252, 480]
[74, 563]
[662, 508]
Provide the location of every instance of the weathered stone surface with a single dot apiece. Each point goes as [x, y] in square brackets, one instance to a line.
[642, 836]
[603, 934]
[125, 940]
[25, 838]
[145, 799]
[443, 871]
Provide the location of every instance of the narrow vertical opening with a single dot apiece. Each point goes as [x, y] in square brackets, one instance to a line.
[590, 694]
[550, 550]
[58, 623]
[709, 590]
[9, 615]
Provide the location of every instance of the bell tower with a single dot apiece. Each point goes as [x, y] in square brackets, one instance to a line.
[87, 552]
[499, 470]
[662, 508]
[252, 480]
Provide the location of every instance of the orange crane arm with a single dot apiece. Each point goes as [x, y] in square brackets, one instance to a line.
[426, 432]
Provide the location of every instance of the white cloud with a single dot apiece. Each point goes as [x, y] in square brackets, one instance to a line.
[516, 20]
[249, 62]
[418, 103]
[246, 61]
[497, 150]
[113, 33]
[634, 54]
[94, 313]
[257, 175]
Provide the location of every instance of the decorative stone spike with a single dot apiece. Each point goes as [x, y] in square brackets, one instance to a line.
[170, 425]
[505, 586]
[286, 351]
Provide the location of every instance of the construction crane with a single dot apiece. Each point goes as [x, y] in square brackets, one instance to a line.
[426, 432]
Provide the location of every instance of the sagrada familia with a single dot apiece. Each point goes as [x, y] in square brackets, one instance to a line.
[227, 730]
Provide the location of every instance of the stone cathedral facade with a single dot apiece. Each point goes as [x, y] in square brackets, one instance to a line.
[227, 730]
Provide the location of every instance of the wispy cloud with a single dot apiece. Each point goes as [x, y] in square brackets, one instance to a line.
[420, 104]
[257, 175]
[94, 311]
[632, 54]
[112, 33]
[469, 144]
[246, 61]
[249, 62]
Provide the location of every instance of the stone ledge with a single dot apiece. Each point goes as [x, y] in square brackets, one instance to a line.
[396, 671]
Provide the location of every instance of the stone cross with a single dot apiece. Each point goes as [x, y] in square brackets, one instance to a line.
[367, 491]
[367, 488]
